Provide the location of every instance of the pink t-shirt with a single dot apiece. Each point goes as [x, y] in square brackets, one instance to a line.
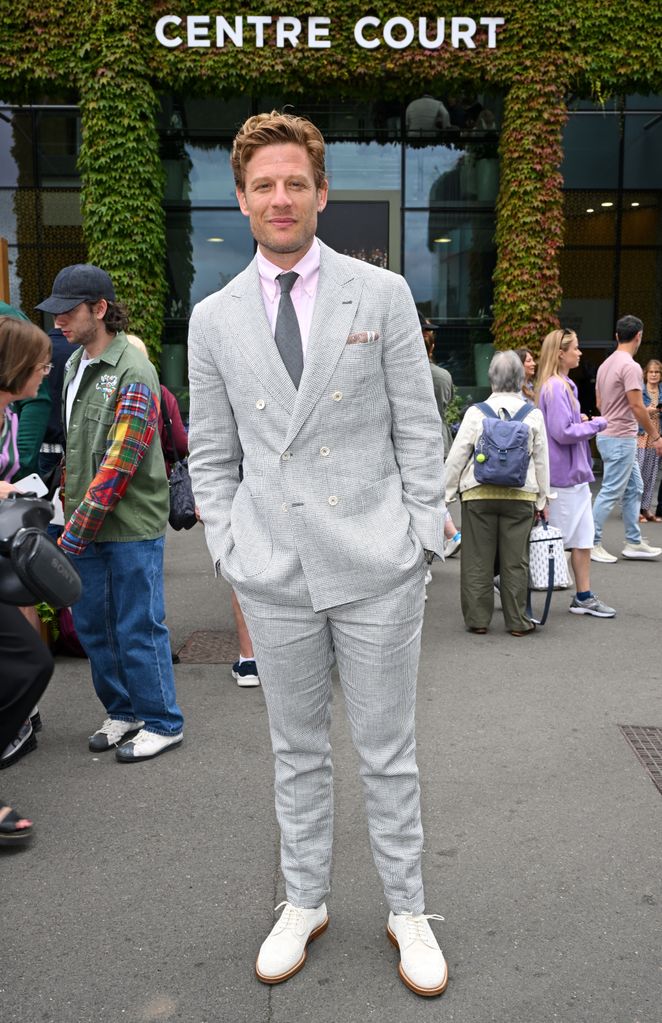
[617, 375]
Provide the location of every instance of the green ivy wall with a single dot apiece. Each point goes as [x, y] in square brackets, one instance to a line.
[106, 50]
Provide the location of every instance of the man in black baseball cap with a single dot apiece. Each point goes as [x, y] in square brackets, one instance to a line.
[116, 504]
[82, 282]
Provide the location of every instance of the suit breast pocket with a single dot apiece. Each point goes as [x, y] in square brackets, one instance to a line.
[360, 364]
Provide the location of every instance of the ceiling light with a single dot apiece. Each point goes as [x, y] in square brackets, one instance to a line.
[590, 210]
[442, 241]
[634, 204]
[606, 204]
[215, 239]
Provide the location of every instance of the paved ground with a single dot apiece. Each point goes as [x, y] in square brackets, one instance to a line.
[149, 887]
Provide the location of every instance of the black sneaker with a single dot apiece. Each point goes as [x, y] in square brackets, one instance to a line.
[246, 674]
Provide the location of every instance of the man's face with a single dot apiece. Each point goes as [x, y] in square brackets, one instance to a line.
[281, 201]
[80, 325]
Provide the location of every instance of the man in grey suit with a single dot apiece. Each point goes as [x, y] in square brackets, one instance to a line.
[310, 368]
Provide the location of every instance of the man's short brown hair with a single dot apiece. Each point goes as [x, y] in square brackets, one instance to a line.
[272, 130]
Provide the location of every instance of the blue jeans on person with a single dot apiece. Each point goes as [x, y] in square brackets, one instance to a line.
[621, 481]
[120, 623]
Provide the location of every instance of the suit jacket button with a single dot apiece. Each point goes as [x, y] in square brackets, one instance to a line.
[286, 455]
[337, 395]
[284, 507]
[260, 403]
[324, 452]
[333, 500]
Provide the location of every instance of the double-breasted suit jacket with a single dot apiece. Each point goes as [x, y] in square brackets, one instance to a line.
[343, 479]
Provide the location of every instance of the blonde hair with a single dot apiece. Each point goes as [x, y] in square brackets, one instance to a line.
[23, 346]
[557, 341]
[277, 129]
[138, 343]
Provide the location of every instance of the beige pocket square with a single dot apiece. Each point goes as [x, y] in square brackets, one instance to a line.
[364, 337]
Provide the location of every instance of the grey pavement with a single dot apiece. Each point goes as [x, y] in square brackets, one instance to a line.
[149, 887]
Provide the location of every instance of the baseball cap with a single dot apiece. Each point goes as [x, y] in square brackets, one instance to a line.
[82, 282]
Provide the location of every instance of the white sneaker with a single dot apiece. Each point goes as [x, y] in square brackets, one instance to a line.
[453, 545]
[283, 952]
[598, 553]
[146, 745]
[640, 551]
[422, 965]
[111, 733]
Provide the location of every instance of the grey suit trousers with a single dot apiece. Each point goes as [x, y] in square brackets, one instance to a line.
[376, 644]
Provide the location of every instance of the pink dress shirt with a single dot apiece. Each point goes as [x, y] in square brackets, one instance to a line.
[303, 293]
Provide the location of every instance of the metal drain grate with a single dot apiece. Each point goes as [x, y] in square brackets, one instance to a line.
[209, 648]
[646, 741]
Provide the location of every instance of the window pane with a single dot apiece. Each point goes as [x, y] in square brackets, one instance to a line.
[641, 289]
[588, 220]
[58, 145]
[16, 162]
[453, 173]
[368, 165]
[449, 262]
[206, 249]
[198, 172]
[643, 150]
[591, 148]
[587, 282]
[642, 222]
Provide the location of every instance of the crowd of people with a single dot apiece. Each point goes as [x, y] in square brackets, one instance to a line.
[322, 509]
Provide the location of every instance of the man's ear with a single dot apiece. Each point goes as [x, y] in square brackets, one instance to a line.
[100, 309]
[241, 199]
[322, 196]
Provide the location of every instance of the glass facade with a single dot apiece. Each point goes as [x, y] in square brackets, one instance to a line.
[414, 193]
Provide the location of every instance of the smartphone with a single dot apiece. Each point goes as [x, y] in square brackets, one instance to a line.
[32, 484]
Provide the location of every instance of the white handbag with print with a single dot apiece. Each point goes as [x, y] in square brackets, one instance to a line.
[547, 561]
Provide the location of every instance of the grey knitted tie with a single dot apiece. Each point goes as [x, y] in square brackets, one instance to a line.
[287, 334]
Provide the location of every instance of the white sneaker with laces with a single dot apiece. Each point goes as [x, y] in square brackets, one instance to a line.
[283, 952]
[598, 553]
[640, 551]
[111, 733]
[146, 745]
[422, 965]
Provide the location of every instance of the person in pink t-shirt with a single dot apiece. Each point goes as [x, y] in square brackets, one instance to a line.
[618, 390]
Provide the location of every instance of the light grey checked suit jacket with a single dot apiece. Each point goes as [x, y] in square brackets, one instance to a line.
[343, 479]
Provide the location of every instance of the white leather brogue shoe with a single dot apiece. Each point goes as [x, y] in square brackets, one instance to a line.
[422, 965]
[283, 952]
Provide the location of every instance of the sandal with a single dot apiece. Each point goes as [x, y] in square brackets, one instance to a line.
[13, 829]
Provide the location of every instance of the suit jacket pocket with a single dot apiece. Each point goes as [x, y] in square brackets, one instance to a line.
[253, 546]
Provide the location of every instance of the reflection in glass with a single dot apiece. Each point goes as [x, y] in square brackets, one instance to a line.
[363, 165]
[643, 150]
[590, 151]
[198, 172]
[449, 261]
[58, 145]
[456, 172]
[16, 159]
[206, 249]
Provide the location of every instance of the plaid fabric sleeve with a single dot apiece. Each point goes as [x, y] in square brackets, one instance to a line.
[136, 419]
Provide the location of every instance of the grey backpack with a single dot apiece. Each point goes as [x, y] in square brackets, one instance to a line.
[501, 456]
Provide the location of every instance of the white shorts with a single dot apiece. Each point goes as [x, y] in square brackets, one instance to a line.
[571, 512]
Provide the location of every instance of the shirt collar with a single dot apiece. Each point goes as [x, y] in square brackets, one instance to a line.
[307, 268]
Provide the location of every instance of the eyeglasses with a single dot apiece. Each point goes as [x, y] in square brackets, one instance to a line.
[45, 367]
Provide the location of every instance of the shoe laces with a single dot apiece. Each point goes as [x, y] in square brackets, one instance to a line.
[418, 928]
[292, 917]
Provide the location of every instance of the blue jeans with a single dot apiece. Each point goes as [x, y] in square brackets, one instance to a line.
[621, 481]
[120, 622]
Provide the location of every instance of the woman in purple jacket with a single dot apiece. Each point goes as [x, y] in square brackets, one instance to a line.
[568, 433]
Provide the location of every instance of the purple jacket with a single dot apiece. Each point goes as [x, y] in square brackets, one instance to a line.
[567, 436]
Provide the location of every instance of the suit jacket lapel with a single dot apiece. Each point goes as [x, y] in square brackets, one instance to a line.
[252, 334]
[338, 292]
